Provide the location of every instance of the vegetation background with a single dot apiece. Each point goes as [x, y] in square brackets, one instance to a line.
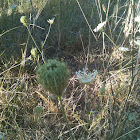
[108, 107]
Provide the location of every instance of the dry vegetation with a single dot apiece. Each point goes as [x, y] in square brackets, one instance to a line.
[107, 108]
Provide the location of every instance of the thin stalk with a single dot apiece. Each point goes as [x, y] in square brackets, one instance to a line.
[137, 61]
[86, 20]
[133, 36]
[108, 20]
[110, 57]
[35, 43]
[33, 11]
[125, 105]
[127, 133]
[10, 30]
[45, 40]
[110, 39]
[68, 126]
[46, 36]
[59, 26]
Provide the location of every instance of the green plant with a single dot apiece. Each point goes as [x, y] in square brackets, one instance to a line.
[53, 76]
[38, 110]
[25, 21]
[105, 108]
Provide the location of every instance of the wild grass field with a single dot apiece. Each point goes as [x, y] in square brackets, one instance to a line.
[69, 70]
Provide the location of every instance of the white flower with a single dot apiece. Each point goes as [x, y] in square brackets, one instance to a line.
[50, 21]
[85, 76]
[123, 49]
[137, 19]
[137, 42]
[100, 27]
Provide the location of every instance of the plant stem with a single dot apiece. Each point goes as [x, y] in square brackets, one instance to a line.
[86, 20]
[35, 44]
[46, 37]
[110, 39]
[68, 126]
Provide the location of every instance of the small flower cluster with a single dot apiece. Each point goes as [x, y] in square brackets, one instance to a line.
[123, 49]
[85, 76]
[51, 21]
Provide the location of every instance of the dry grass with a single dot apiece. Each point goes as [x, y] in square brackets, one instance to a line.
[92, 114]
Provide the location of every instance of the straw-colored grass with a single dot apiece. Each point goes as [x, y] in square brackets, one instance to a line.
[108, 108]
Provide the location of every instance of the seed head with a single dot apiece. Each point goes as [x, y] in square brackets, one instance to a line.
[53, 76]
[34, 52]
[24, 21]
